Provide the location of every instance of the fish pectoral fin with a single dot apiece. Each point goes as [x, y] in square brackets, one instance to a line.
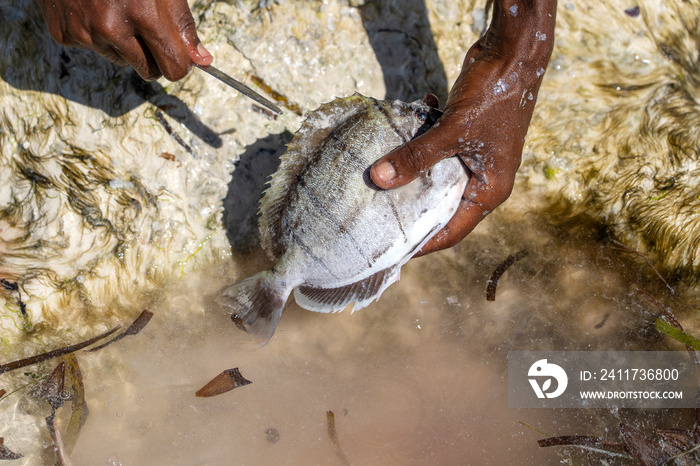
[362, 293]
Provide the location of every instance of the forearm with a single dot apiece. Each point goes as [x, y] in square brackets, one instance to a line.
[523, 28]
[519, 40]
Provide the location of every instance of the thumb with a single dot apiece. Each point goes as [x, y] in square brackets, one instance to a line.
[188, 32]
[406, 163]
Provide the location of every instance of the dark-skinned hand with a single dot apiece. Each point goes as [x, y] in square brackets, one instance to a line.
[156, 37]
[486, 116]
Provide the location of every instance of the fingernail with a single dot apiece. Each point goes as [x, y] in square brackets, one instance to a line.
[385, 171]
[203, 52]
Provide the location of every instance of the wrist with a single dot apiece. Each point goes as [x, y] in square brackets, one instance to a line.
[522, 30]
[516, 47]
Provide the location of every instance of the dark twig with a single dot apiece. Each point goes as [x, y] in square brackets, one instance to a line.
[333, 435]
[630, 250]
[169, 129]
[602, 322]
[10, 366]
[500, 270]
[593, 443]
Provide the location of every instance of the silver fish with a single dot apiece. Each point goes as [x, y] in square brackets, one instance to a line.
[334, 236]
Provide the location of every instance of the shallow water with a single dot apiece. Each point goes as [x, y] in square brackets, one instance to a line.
[419, 377]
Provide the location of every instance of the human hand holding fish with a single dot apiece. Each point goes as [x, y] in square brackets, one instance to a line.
[156, 38]
[486, 116]
[319, 215]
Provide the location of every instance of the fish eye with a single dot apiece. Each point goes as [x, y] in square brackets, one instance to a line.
[422, 116]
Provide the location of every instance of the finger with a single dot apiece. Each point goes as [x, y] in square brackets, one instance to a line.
[170, 53]
[122, 47]
[129, 50]
[114, 39]
[55, 20]
[161, 30]
[480, 198]
[134, 52]
[467, 217]
[403, 165]
[111, 54]
[188, 32]
[201, 56]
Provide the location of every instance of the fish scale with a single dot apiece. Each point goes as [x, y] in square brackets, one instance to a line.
[336, 238]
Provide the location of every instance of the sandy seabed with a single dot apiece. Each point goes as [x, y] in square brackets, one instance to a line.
[105, 212]
[420, 377]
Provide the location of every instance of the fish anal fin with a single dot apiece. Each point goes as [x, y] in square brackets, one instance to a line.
[362, 293]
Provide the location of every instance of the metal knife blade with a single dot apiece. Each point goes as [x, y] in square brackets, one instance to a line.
[240, 87]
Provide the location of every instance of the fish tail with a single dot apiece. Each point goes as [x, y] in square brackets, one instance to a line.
[256, 303]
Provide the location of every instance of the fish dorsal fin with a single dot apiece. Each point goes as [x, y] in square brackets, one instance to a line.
[336, 299]
[316, 128]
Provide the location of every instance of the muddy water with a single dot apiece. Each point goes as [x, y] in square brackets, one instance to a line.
[417, 378]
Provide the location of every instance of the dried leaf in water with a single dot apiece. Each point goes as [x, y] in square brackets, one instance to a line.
[79, 409]
[222, 383]
[52, 391]
[139, 323]
[52, 388]
[6, 453]
[60, 447]
[500, 270]
[133, 329]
